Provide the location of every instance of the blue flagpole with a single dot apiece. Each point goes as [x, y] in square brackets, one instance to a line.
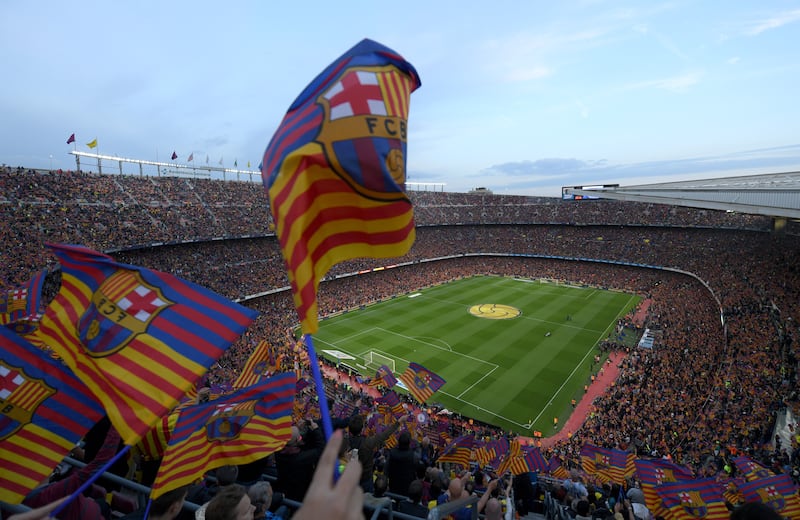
[327, 427]
[91, 480]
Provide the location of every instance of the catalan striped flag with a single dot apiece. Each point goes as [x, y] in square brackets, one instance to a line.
[514, 451]
[335, 170]
[692, 499]
[45, 411]
[529, 461]
[137, 338]
[258, 365]
[778, 491]
[459, 451]
[384, 376]
[421, 382]
[750, 469]
[654, 472]
[235, 429]
[608, 465]
[392, 401]
[154, 443]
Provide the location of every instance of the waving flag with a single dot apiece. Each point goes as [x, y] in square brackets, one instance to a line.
[384, 376]
[258, 365]
[750, 469]
[174, 155]
[71, 139]
[392, 401]
[421, 382]
[691, 499]
[777, 491]
[139, 339]
[459, 451]
[654, 472]
[335, 170]
[22, 302]
[44, 411]
[92, 143]
[236, 429]
[607, 464]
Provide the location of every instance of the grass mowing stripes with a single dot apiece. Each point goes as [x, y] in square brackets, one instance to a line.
[514, 372]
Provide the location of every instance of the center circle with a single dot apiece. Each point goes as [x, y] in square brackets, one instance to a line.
[494, 311]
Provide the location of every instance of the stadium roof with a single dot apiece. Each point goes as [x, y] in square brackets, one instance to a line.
[774, 194]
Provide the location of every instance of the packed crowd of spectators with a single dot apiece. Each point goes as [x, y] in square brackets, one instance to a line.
[708, 384]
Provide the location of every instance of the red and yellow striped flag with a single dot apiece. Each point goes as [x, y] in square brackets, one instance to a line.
[258, 365]
[335, 170]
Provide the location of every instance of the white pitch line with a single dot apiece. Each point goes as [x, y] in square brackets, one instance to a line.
[576, 367]
[478, 381]
[482, 409]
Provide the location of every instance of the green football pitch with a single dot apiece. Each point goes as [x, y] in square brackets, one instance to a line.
[514, 352]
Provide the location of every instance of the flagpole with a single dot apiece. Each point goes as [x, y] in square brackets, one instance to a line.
[325, 416]
[97, 475]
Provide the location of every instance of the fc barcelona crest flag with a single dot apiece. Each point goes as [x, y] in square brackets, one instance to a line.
[44, 411]
[335, 170]
[235, 429]
[139, 339]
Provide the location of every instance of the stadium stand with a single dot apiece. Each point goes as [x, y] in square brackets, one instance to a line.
[707, 390]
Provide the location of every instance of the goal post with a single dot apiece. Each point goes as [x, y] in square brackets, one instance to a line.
[374, 360]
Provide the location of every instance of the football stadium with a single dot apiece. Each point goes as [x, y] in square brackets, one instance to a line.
[576, 330]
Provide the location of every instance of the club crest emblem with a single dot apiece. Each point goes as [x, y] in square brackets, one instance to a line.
[121, 308]
[364, 130]
[20, 396]
[771, 496]
[228, 420]
[693, 504]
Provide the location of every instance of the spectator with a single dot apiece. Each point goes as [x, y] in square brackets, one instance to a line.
[367, 446]
[401, 465]
[297, 461]
[413, 504]
[166, 507]
[230, 503]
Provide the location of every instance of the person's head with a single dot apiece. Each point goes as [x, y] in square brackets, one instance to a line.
[356, 425]
[227, 475]
[404, 441]
[415, 491]
[168, 505]
[230, 503]
[493, 509]
[260, 495]
[755, 511]
[381, 486]
[455, 489]
[582, 507]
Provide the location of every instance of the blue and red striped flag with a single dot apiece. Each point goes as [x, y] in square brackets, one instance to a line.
[384, 376]
[22, 302]
[777, 491]
[459, 451]
[654, 472]
[608, 465]
[691, 499]
[335, 170]
[235, 429]
[420, 381]
[750, 469]
[392, 401]
[139, 339]
[45, 411]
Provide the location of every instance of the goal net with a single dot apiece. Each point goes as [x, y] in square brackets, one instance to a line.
[374, 360]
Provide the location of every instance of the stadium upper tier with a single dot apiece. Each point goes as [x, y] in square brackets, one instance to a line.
[110, 212]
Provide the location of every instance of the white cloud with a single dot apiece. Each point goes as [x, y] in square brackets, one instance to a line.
[774, 22]
[733, 61]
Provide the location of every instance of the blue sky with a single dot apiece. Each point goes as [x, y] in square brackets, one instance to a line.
[520, 97]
